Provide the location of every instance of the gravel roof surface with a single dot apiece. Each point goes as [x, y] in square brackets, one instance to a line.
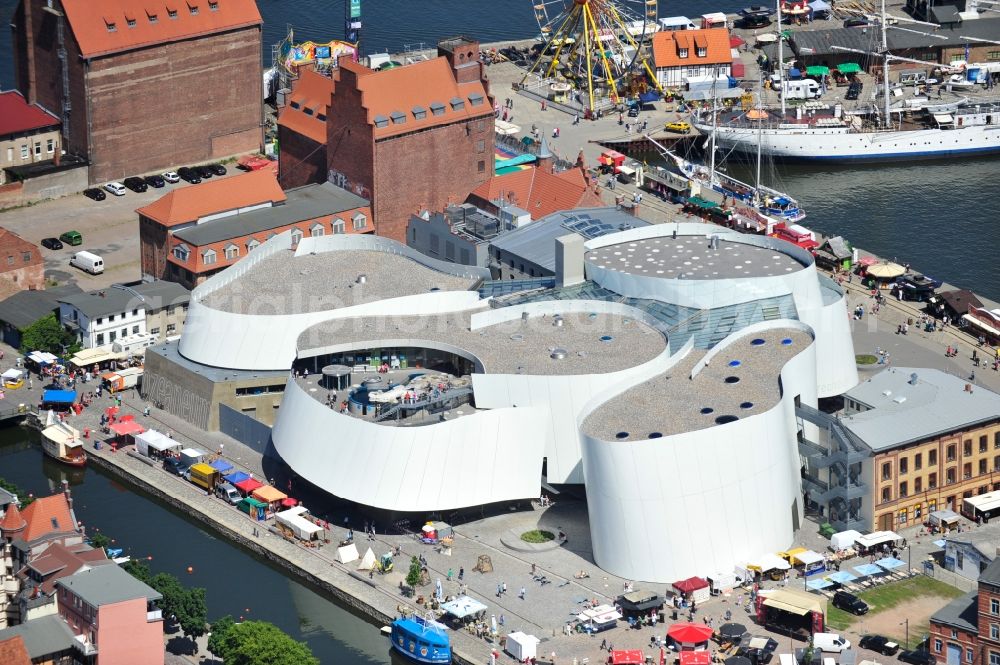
[691, 258]
[282, 284]
[671, 403]
[515, 346]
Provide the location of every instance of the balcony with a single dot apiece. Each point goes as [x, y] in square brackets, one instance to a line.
[84, 646]
[154, 615]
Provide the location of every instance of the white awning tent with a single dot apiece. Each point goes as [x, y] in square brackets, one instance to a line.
[13, 374]
[981, 324]
[808, 557]
[42, 357]
[599, 614]
[99, 354]
[714, 19]
[348, 553]
[190, 456]
[368, 561]
[844, 540]
[153, 440]
[300, 526]
[870, 540]
[769, 561]
[505, 128]
[522, 646]
[463, 607]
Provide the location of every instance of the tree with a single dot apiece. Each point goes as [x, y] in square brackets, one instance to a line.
[216, 640]
[46, 334]
[138, 570]
[186, 606]
[193, 614]
[21, 495]
[100, 541]
[413, 576]
[262, 643]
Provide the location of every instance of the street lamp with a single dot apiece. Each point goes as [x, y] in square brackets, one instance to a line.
[906, 622]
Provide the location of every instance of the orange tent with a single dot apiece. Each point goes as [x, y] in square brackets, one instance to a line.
[269, 494]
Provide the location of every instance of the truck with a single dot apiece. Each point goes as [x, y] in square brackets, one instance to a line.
[203, 476]
[803, 89]
[797, 235]
[88, 262]
[121, 379]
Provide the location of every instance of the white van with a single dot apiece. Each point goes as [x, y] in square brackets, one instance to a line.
[830, 642]
[677, 23]
[804, 89]
[88, 262]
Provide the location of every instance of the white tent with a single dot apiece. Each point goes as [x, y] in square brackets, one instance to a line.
[153, 440]
[348, 553]
[844, 540]
[770, 561]
[522, 646]
[463, 606]
[368, 561]
[808, 557]
[191, 456]
[13, 374]
[300, 526]
[42, 357]
[878, 538]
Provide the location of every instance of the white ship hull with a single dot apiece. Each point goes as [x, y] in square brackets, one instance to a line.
[845, 144]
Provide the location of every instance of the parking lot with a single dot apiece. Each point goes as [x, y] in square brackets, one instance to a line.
[110, 229]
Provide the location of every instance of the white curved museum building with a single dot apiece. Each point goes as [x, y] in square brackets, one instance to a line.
[662, 372]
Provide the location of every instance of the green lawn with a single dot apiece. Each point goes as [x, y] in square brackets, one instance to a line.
[888, 596]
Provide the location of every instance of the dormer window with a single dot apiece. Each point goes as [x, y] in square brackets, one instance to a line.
[475, 99]
[457, 103]
[437, 108]
[208, 257]
[307, 111]
[253, 244]
[419, 113]
[111, 26]
[213, 6]
[193, 9]
[182, 252]
[381, 121]
[398, 117]
[682, 53]
[702, 52]
[130, 22]
[339, 226]
[172, 13]
[295, 105]
[152, 18]
[232, 252]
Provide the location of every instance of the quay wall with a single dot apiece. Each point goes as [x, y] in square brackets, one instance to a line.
[346, 587]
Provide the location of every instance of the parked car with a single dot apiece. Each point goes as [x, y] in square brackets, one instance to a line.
[853, 90]
[171, 177]
[917, 657]
[879, 643]
[856, 23]
[205, 171]
[849, 603]
[115, 188]
[188, 174]
[633, 111]
[136, 184]
[51, 243]
[217, 169]
[95, 193]
[155, 181]
[174, 466]
[73, 238]
[679, 127]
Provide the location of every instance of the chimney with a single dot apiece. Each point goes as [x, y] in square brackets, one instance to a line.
[69, 496]
[462, 54]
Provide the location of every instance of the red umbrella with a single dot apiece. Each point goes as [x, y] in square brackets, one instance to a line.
[736, 41]
[689, 633]
[696, 657]
[627, 657]
[289, 502]
[868, 260]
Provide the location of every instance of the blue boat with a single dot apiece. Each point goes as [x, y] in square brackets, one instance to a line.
[421, 640]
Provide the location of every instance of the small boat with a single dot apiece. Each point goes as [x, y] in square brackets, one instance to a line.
[63, 443]
[959, 82]
[421, 640]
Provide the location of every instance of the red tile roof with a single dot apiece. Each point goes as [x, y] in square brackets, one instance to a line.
[667, 47]
[17, 116]
[109, 26]
[538, 191]
[12, 519]
[188, 204]
[412, 90]
[310, 91]
[58, 561]
[50, 514]
[13, 651]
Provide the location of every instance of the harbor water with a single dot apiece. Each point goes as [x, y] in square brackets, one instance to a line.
[237, 583]
[940, 217]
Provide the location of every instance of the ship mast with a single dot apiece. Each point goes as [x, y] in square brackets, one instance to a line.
[715, 126]
[781, 61]
[885, 68]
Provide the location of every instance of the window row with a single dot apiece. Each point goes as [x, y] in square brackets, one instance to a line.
[950, 455]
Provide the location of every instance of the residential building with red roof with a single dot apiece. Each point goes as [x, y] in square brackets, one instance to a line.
[28, 133]
[21, 265]
[13, 651]
[680, 56]
[191, 233]
[38, 578]
[537, 191]
[144, 85]
[302, 129]
[410, 138]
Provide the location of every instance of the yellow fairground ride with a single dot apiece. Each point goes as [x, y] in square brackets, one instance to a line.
[600, 48]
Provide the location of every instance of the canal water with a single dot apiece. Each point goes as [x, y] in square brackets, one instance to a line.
[237, 583]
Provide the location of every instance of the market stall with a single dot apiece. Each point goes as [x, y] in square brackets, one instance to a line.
[872, 541]
[695, 657]
[596, 619]
[58, 400]
[626, 657]
[254, 508]
[690, 636]
[272, 496]
[248, 486]
[236, 477]
[465, 608]
[844, 540]
[811, 562]
[792, 611]
[222, 466]
[694, 589]
[155, 444]
[522, 646]
[13, 378]
[639, 603]
[303, 528]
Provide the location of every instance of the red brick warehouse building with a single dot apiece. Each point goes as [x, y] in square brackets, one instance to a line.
[409, 138]
[144, 85]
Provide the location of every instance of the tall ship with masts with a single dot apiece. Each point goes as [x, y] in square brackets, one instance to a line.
[817, 132]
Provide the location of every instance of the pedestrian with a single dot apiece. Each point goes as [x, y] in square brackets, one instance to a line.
[450, 573]
[502, 620]
[533, 568]
[461, 573]
[499, 591]
[503, 585]
[145, 411]
[520, 594]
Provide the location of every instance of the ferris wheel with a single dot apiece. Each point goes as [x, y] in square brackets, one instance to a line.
[596, 47]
